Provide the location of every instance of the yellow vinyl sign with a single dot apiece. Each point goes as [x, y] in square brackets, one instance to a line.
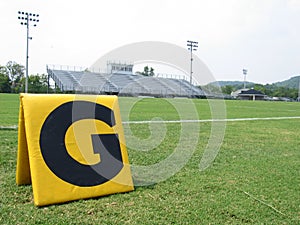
[71, 147]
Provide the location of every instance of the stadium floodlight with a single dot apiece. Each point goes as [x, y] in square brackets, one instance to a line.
[27, 19]
[192, 46]
[245, 74]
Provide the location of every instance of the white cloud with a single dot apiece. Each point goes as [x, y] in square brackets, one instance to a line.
[294, 4]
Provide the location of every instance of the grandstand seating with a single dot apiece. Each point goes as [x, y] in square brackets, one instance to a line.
[122, 84]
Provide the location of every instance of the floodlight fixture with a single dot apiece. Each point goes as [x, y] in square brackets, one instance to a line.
[30, 19]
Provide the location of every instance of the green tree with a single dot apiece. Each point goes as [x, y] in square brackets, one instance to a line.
[227, 89]
[4, 80]
[151, 73]
[260, 87]
[15, 74]
[37, 83]
[148, 72]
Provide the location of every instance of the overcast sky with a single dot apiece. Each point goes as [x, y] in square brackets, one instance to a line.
[262, 36]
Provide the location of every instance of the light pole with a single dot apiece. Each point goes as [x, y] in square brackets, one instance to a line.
[245, 74]
[192, 46]
[26, 19]
[299, 91]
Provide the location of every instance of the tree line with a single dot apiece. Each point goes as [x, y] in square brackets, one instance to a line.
[12, 80]
[271, 90]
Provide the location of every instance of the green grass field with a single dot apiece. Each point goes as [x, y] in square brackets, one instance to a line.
[255, 178]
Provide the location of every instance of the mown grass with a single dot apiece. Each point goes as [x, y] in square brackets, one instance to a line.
[255, 173]
[9, 109]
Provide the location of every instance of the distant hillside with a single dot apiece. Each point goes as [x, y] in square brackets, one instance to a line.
[288, 88]
[293, 82]
[231, 83]
[290, 83]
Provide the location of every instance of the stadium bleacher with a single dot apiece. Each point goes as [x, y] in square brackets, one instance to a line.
[122, 84]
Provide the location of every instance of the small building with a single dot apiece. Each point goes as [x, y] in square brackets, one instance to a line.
[119, 68]
[251, 94]
[236, 93]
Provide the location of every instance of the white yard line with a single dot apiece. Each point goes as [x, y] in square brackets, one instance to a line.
[210, 120]
[15, 127]
[12, 127]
